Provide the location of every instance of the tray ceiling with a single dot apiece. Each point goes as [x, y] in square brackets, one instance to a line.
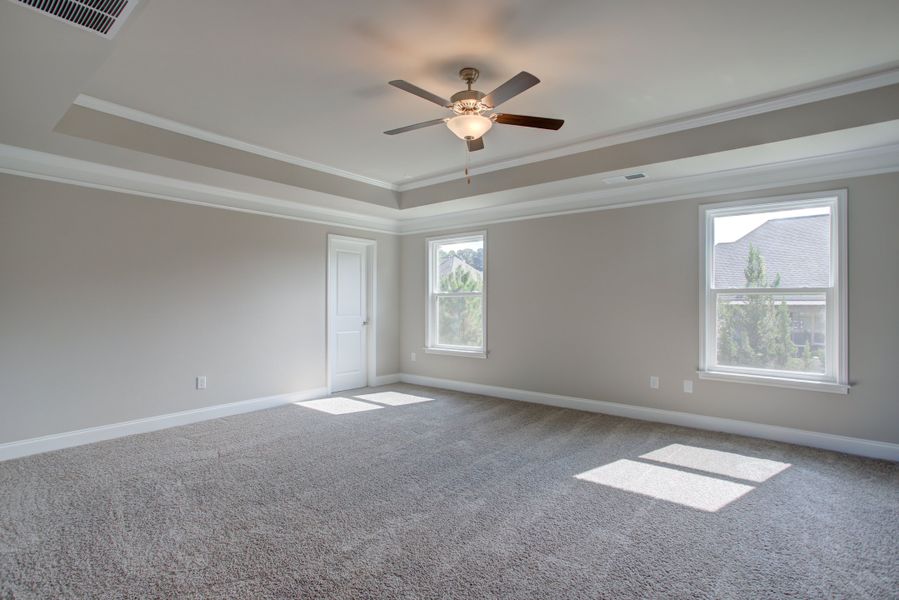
[308, 79]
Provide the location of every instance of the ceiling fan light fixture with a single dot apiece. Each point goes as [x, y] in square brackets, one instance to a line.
[469, 127]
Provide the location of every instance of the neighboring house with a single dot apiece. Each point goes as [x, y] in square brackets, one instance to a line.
[449, 264]
[791, 248]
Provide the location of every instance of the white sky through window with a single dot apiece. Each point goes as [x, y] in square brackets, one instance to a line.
[730, 229]
[473, 245]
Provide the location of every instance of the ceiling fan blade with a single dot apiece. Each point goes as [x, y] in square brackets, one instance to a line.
[414, 127]
[525, 121]
[475, 145]
[510, 89]
[414, 89]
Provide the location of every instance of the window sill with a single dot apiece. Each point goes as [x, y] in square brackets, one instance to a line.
[784, 382]
[451, 352]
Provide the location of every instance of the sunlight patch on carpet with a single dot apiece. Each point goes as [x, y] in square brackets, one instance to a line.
[393, 398]
[688, 489]
[338, 405]
[715, 461]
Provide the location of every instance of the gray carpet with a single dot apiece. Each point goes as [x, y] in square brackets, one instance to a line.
[458, 497]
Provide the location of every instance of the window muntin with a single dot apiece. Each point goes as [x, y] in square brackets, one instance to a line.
[773, 300]
[456, 286]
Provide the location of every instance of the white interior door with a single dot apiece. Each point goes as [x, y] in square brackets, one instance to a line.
[348, 314]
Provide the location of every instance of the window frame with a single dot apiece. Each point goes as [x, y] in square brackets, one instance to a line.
[432, 296]
[835, 378]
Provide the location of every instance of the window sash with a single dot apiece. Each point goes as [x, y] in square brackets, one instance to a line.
[455, 294]
[776, 291]
[434, 326]
[830, 341]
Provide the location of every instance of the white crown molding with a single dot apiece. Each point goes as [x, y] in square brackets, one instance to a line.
[139, 116]
[827, 441]
[814, 94]
[68, 439]
[53, 167]
[40, 165]
[829, 167]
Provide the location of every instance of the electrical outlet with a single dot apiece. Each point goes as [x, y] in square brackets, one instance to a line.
[654, 382]
[201, 382]
[413, 357]
[688, 386]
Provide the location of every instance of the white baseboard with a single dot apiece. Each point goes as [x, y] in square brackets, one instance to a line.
[385, 379]
[67, 439]
[827, 441]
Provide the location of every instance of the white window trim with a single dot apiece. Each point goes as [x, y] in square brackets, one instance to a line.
[431, 347]
[836, 377]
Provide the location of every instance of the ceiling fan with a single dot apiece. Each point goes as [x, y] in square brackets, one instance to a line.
[474, 111]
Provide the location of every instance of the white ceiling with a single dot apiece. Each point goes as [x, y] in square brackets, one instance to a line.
[309, 78]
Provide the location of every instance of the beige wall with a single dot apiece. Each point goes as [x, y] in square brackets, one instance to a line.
[590, 305]
[111, 304]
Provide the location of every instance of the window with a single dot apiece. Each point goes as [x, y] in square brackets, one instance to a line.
[774, 303]
[456, 299]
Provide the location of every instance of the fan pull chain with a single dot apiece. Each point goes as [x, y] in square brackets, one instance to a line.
[467, 163]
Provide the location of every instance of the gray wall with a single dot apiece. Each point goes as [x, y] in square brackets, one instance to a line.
[111, 304]
[590, 305]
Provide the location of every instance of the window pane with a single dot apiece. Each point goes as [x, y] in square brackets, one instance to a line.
[460, 266]
[787, 248]
[459, 321]
[772, 331]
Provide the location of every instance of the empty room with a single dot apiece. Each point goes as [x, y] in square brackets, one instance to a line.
[415, 299]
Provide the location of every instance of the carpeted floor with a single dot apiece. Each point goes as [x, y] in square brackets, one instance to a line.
[436, 494]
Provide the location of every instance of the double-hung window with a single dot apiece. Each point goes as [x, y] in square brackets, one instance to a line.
[774, 298]
[457, 271]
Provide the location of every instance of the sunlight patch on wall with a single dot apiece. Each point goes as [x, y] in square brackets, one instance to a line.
[720, 463]
[393, 398]
[688, 489]
[338, 405]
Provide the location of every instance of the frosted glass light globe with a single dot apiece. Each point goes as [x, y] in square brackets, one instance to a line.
[469, 127]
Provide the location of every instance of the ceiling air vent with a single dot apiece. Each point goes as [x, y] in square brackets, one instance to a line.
[623, 178]
[103, 17]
